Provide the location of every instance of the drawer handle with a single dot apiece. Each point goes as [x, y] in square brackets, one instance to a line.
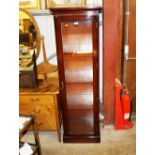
[34, 99]
[40, 123]
[49, 108]
[76, 23]
[37, 111]
[62, 85]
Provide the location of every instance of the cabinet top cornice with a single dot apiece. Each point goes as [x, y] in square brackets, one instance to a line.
[75, 10]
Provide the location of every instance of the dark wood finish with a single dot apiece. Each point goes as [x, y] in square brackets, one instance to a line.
[80, 96]
[78, 72]
[78, 68]
[83, 139]
[77, 10]
[110, 47]
[28, 78]
[120, 40]
[26, 38]
[130, 69]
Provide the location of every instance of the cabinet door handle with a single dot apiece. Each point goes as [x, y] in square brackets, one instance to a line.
[34, 99]
[62, 85]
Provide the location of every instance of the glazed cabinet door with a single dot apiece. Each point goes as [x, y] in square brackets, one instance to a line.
[77, 51]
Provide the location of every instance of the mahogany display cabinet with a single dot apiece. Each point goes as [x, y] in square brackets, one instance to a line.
[77, 43]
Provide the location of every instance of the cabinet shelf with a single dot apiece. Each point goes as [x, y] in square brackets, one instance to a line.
[79, 88]
[79, 95]
[78, 67]
[81, 121]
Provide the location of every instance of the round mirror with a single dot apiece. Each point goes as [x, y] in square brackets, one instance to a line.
[29, 35]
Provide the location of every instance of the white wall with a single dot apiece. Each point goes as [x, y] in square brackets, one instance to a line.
[100, 60]
[45, 23]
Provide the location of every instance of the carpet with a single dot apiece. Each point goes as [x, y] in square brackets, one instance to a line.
[113, 142]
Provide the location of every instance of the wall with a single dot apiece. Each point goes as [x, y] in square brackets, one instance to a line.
[131, 62]
[110, 49]
[45, 22]
[131, 67]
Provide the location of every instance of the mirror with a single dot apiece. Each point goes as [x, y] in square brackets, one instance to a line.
[29, 34]
[30, 40]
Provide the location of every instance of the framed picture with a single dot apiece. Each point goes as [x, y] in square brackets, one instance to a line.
[30, 4]
[65, 3]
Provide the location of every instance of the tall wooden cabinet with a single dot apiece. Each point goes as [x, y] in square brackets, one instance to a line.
[77, 51]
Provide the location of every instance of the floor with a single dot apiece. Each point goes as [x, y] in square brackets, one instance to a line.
[113, 142]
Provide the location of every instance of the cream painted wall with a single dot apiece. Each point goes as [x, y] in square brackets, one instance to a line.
[100, 60]
[46, 25]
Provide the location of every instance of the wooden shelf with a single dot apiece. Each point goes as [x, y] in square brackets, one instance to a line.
[79, 95]
[79, 88]
[78, 67]
[81, 122]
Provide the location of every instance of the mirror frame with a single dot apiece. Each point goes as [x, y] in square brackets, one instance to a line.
[37, 31]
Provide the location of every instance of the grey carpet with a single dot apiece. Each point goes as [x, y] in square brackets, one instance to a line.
[113, 142]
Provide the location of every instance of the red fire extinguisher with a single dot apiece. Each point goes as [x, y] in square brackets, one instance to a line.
[125, 101]
[126, 106]
[122, 110]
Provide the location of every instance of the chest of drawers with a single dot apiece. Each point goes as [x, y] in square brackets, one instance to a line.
[44, 103]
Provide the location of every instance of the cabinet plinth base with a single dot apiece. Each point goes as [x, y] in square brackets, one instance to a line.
[81, 139]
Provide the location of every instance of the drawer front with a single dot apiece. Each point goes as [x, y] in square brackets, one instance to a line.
[45, 116]
[46, 119]
[35, 100]
[26, 110]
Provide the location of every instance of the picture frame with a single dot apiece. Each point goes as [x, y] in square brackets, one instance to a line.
[30, 4]
[65, 3]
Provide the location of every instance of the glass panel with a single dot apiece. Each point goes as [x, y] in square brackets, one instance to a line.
[77, 49]
[78, 66]
[81, 121]
[77, 36]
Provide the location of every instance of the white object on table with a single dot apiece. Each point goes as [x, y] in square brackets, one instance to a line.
[25, 149]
